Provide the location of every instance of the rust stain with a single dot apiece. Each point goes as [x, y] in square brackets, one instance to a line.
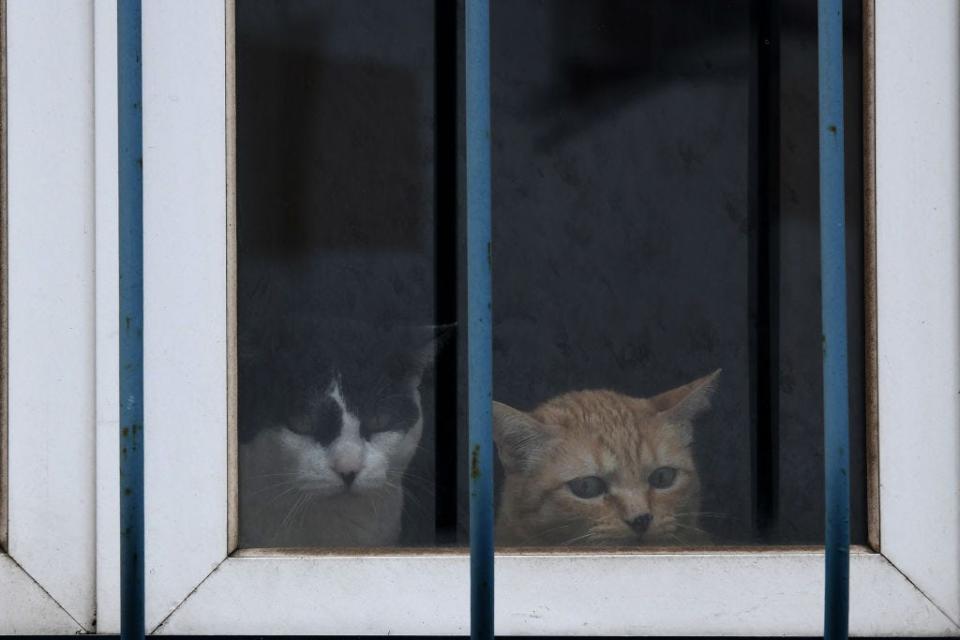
[475, 462]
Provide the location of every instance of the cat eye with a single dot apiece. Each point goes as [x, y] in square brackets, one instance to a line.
[587, 487]
[381, 423]
[662, 477]
[322, 424]
[394, 413]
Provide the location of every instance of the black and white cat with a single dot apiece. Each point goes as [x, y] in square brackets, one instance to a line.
[329, 417]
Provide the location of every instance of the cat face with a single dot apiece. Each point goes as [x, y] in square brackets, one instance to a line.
[601, 468]
[340, 402]
[339, 448]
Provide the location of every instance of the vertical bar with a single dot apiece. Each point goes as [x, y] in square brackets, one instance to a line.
[479, 308]
[765, 267]
[130, 122]
[834, 318]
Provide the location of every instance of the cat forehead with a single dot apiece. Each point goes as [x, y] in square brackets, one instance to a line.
[628, 459]
[599, 410]
[344, 385]
[613, 426]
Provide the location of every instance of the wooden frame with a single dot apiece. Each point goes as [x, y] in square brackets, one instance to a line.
[907, 586]
[47, 570]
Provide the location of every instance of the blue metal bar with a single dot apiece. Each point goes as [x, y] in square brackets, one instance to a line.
[130, 122]
[479, 309]
[833, 287]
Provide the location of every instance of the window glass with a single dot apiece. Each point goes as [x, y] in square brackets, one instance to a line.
[656, 273]
[655, 226]
[339, 325]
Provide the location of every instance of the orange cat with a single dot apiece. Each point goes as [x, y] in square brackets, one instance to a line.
[602, 468]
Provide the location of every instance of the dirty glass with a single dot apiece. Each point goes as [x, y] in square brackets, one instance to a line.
[656, 253]
[343, 317]
[656, 273]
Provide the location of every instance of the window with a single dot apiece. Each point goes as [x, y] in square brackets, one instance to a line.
[205, 577]
[647, 233]
[760, 591]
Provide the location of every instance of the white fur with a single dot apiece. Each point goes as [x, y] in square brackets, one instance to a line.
[292, 493]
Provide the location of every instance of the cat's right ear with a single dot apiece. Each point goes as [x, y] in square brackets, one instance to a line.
[521, 440]
[682, 405]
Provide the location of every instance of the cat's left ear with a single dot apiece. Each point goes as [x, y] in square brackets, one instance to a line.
[521, 439]
[680, 406]
[431, 340]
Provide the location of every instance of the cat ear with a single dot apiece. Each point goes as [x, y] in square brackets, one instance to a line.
[682, 404]
[431, 339]
[520, 438]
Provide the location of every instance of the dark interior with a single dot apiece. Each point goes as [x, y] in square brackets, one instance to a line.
[655, 205]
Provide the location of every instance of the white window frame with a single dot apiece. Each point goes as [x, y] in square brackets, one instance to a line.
[909, 586]
[47, 571]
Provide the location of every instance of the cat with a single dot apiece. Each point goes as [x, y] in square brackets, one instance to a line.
[329, 417]
[601, 468]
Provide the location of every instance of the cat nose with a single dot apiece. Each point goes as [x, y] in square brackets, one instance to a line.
[348, 477]
[641, 523]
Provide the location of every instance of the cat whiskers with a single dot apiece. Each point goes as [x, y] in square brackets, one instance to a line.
[545, 535]
[302, 512]
[285, 487]
[413, 492]
[676, 538]
[411, 499]
[288, 519]
[687, 527]
[588, 536]
[297, 513]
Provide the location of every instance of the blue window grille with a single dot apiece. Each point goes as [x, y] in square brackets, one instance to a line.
[833, 259]
[130, 123]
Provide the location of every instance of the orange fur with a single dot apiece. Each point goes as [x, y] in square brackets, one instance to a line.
[601, 434]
